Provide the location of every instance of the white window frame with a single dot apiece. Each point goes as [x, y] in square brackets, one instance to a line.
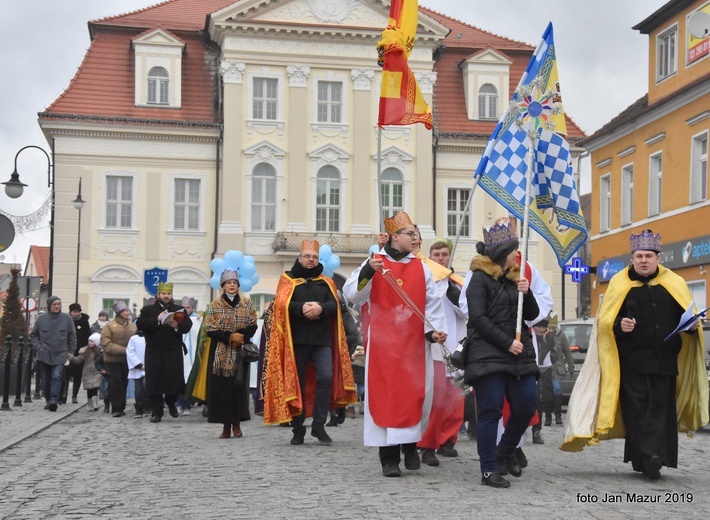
[134, 204]
[698, 291]
[699, 168]
[328, 206]
[667, 53]
[627, 194]
[488, 101]
[200, 204]
[605, 203]
[265, 99]
[260, 300]
[329, 104]
[389, 184]
[655, 184]
[158, 86]
[263, 203]
[453, 215]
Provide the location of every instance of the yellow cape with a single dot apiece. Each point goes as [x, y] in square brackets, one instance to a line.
[594, 413]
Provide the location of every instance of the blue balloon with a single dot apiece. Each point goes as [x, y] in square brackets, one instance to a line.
[324, 253]
[233, 259]
[214, 281]
[248, 259]
[254, 279]
[245, 284]
[217, 265]
[246, 270]
[374, 249]
[333, 263]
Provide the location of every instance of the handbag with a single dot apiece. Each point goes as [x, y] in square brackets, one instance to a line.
[458, 357]
[251, 352]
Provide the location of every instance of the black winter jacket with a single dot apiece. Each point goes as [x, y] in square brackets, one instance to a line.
[492, 310]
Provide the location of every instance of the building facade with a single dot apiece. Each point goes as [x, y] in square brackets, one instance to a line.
[202, 126]
[649, 164]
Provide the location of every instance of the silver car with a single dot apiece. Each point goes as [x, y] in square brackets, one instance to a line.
[577, 332]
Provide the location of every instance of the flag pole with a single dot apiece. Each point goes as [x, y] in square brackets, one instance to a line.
[380, 208]
[526, 227]
[476, 178]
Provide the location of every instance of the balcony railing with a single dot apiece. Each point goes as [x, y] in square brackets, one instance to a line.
[340, 243]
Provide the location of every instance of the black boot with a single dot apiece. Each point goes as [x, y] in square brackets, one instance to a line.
[341, 415]
[333, 418]
[557, 407]
[548, 419]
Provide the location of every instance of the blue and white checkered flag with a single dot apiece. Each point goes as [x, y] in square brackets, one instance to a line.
[535, 116]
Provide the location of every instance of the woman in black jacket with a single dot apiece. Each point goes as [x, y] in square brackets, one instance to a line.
[497, 364]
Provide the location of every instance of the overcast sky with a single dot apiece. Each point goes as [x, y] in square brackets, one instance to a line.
[602, 64]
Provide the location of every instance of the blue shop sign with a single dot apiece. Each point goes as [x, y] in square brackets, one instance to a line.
[685, 253]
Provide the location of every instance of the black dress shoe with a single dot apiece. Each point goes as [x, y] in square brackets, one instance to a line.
[521, 458]
[411, 460]
[333, 420]
[493, 479]
[173, 411]
[652, 467]
[429, 458]
[391, 470]
[155, 419]
[447, 450]
[323, 438]
[510, 463]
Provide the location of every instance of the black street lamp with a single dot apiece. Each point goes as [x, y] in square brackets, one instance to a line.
[14, 189]
[78, 204]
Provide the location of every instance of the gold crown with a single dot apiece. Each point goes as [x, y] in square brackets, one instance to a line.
[165, 287]
[399, 221]
[646, 241]
[310, 245]
[502, 231]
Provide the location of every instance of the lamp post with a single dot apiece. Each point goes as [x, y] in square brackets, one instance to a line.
[78, 204]
[14, 189]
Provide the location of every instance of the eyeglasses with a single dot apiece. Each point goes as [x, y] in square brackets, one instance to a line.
[412, 234]
[310, 257]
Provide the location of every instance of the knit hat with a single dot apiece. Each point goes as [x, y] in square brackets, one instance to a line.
[75, 307]
[228, 274]
[96, 338]
[188, 302]
[119, 306]
[51, 300]
[104, 313]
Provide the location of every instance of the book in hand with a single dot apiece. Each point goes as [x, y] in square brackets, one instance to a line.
[178, 316]
[687, 320]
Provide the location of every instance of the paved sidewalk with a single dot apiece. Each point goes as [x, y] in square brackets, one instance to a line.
[20, 422]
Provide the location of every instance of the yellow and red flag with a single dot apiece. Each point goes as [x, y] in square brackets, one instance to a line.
[401, 101]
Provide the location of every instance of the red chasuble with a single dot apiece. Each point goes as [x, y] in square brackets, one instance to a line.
[396, 352]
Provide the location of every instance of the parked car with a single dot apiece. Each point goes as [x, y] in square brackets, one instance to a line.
[578, 332]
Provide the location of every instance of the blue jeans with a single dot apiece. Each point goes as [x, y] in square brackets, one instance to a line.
[51, 381]
[522, 398]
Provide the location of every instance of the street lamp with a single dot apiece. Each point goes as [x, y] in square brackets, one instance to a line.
[14, 189]
[78, 204]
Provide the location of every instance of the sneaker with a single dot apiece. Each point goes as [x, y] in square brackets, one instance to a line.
[391, 470]
[537, 437]
[321, 435]
[493, 479]
[447, 450]
[429, 458]
[74, 400]
[138, 416]
[186, 411]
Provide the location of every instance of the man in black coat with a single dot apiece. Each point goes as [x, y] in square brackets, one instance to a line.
[163, 351]
[73, 371]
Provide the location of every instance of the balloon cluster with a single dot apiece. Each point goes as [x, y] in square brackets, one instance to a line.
[328, 260]
[236, 261]
[374, 249]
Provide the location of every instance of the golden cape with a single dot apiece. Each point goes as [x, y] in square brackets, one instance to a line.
[594, 413]
[282, 391]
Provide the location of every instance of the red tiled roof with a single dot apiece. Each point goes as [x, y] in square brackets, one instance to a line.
[449, 106]
[40, 255]
[184, 15]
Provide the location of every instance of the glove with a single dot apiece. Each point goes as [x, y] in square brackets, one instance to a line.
[236, 339]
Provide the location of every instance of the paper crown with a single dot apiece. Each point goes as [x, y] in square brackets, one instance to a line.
[553, 319]
[646, 241]
[440, 240]
[165, 287]
[398, 221]
[119, 306]
[502, 231]
[188, 302]
[228, 274]
[310, 245]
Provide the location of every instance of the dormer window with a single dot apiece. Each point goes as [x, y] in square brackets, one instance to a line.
[158, 86]
[158, 69]
[488, 102]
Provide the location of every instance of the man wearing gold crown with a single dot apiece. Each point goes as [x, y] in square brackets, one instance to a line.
[399, 370]
[308, 368]
[638, 381]
[163, 351]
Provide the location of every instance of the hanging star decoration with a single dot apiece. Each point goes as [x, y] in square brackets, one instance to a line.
[534, 107]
